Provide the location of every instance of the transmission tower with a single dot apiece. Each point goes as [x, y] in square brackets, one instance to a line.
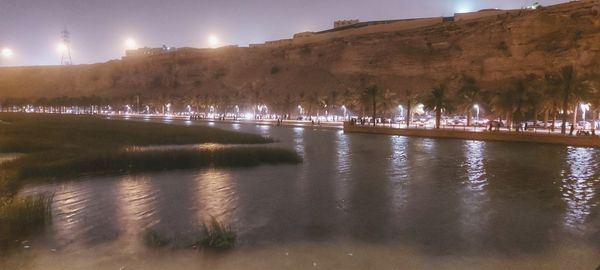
[65, 47]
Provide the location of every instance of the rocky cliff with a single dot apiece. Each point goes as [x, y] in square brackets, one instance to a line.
[490, 49]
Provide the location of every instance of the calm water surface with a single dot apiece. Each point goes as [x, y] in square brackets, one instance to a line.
[357, 201]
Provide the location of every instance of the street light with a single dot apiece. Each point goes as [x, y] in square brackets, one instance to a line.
[130, 44]
[6, 53]
[213, 41]
[62, 47]
[584, 108]
[476, 106]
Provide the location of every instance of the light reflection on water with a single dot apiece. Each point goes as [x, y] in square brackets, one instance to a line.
[136, 207]
[299, 140]
[216, 196]
[578, 185]
[476, 182]
[438, 196]
[343, 165]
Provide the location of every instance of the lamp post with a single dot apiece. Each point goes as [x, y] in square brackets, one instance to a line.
[476, 106]
[584, 108]
[401, 113]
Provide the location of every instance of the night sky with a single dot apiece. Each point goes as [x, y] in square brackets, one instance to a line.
[31, 28]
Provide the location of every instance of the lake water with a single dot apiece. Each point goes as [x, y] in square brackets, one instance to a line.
[356, 202]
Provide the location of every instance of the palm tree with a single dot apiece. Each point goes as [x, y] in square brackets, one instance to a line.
[313, 99]
[574, 90]
[552, 93]
[502, 104]
[595, 107]
[389, 102]
[468, 95]
[372, 92]
[438, 101]
[410, 98]
[568, 77]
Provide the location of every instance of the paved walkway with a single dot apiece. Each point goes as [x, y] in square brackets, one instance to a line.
[479, 134]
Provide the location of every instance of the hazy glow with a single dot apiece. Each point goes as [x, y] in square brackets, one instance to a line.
[464, 7]
[62, 47]
[131, 44]
[7, 52]
[213, 41]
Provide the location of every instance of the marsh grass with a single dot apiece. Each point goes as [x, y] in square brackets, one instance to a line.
[217, 236]
[155, 239]
[20, 216]
[71, 146]
[120, 162]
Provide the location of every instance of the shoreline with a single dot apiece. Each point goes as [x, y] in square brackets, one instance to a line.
[270, 122]
[502, 136]
[443, 133]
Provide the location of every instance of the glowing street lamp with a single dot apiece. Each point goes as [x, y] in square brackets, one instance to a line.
[584, 108]
[131, 44]
[476, 106]
[213, 41]
[6, 52]
[62, 47]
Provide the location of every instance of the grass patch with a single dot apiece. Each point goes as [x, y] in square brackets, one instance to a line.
[155, 239]
[70, 146]
[120, 162]
[20, 216]
[217, 236]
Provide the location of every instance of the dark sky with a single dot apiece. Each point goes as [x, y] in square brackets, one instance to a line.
[31, 28]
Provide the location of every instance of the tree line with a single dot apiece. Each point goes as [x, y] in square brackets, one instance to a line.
[518, 99]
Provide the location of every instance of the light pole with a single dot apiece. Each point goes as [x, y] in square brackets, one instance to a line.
[476, 106]
[584, 108]
[401, 114]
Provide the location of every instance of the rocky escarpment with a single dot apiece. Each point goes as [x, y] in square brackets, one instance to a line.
[490, 49]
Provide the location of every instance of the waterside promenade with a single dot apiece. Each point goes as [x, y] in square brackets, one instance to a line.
[479, 134]
[446, 132]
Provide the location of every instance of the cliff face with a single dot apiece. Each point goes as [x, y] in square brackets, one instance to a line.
[490, 49]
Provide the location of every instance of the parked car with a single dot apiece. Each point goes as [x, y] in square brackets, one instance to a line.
[584, 124]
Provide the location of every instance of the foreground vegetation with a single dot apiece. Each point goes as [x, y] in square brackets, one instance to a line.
[215, 236]
[21, 216]
[67, 146]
